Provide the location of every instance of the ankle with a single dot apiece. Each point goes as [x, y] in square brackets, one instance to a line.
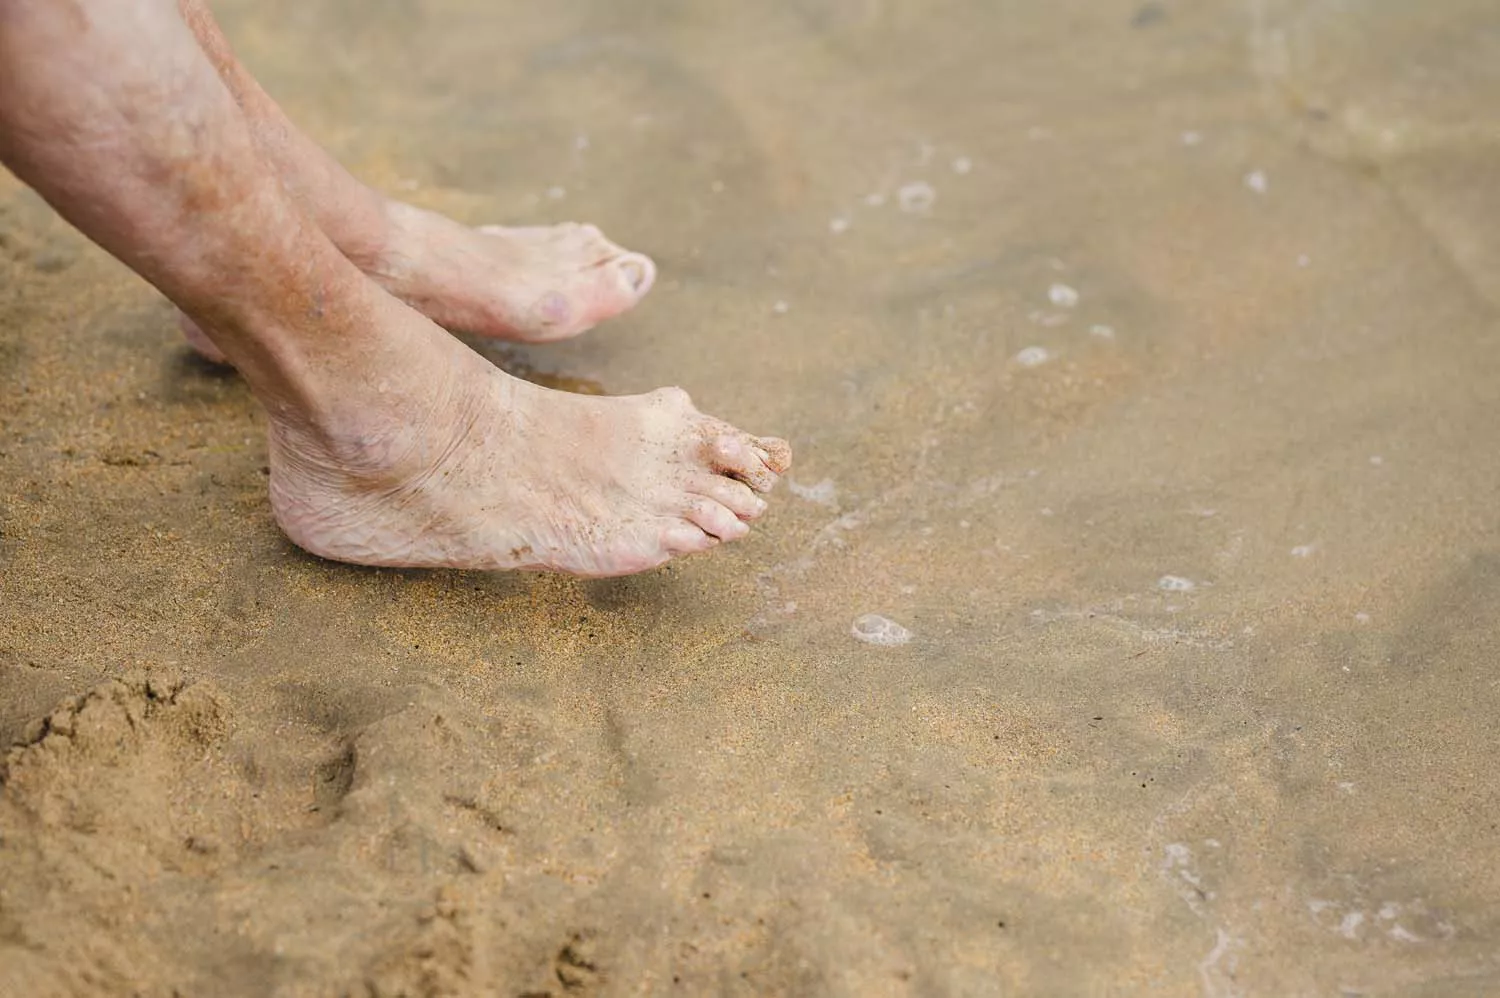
[378, 422]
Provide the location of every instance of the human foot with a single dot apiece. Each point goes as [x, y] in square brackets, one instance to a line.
[533, 284]
[497, 473]
[529, 284]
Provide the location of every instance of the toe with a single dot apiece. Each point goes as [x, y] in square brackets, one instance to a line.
[636, 273]
[686, 538]
[775, 452]
[733, 454]
[715, 519]
[613, 285]
[727, 492]
[555, 282]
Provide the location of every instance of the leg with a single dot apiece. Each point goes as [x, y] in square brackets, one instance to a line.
[534, 284]
[391, 443]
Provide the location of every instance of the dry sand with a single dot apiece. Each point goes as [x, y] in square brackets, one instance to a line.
[1200, 568]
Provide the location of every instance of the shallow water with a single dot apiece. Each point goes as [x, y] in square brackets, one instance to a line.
[1142, 363]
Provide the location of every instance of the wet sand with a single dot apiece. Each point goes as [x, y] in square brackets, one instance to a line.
[1142, 362]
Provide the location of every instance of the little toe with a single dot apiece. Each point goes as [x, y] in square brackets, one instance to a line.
[715, 519]
[737, 496]
[686, 538]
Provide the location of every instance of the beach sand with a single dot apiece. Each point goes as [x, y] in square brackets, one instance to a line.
[1143, 367]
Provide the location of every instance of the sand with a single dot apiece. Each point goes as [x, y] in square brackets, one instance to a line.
[1143, 365]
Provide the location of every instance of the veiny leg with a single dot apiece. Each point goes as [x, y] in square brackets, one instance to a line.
[391, 443]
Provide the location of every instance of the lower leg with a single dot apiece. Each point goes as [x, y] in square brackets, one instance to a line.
[147, 156]
[352, 215]
[533, 284]
[391, 443]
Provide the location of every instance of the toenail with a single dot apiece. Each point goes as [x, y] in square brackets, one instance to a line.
[639, 272]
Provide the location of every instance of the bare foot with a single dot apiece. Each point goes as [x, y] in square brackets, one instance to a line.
[496, 473]
[531, 284]
[535, 284]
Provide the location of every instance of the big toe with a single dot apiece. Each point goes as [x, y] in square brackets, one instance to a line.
[738, 455]
[776, 453]
[605, 290]
[612, 286]
[635, 273]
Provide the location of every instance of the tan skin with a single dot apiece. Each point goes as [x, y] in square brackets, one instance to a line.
[391, 443]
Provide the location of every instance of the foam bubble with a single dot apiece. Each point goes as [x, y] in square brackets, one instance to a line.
[873, 629]
[1062, 296]
[824, 493]
[915, 197]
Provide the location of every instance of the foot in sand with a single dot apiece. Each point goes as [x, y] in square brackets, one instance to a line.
[494, 473]
[529, 284]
